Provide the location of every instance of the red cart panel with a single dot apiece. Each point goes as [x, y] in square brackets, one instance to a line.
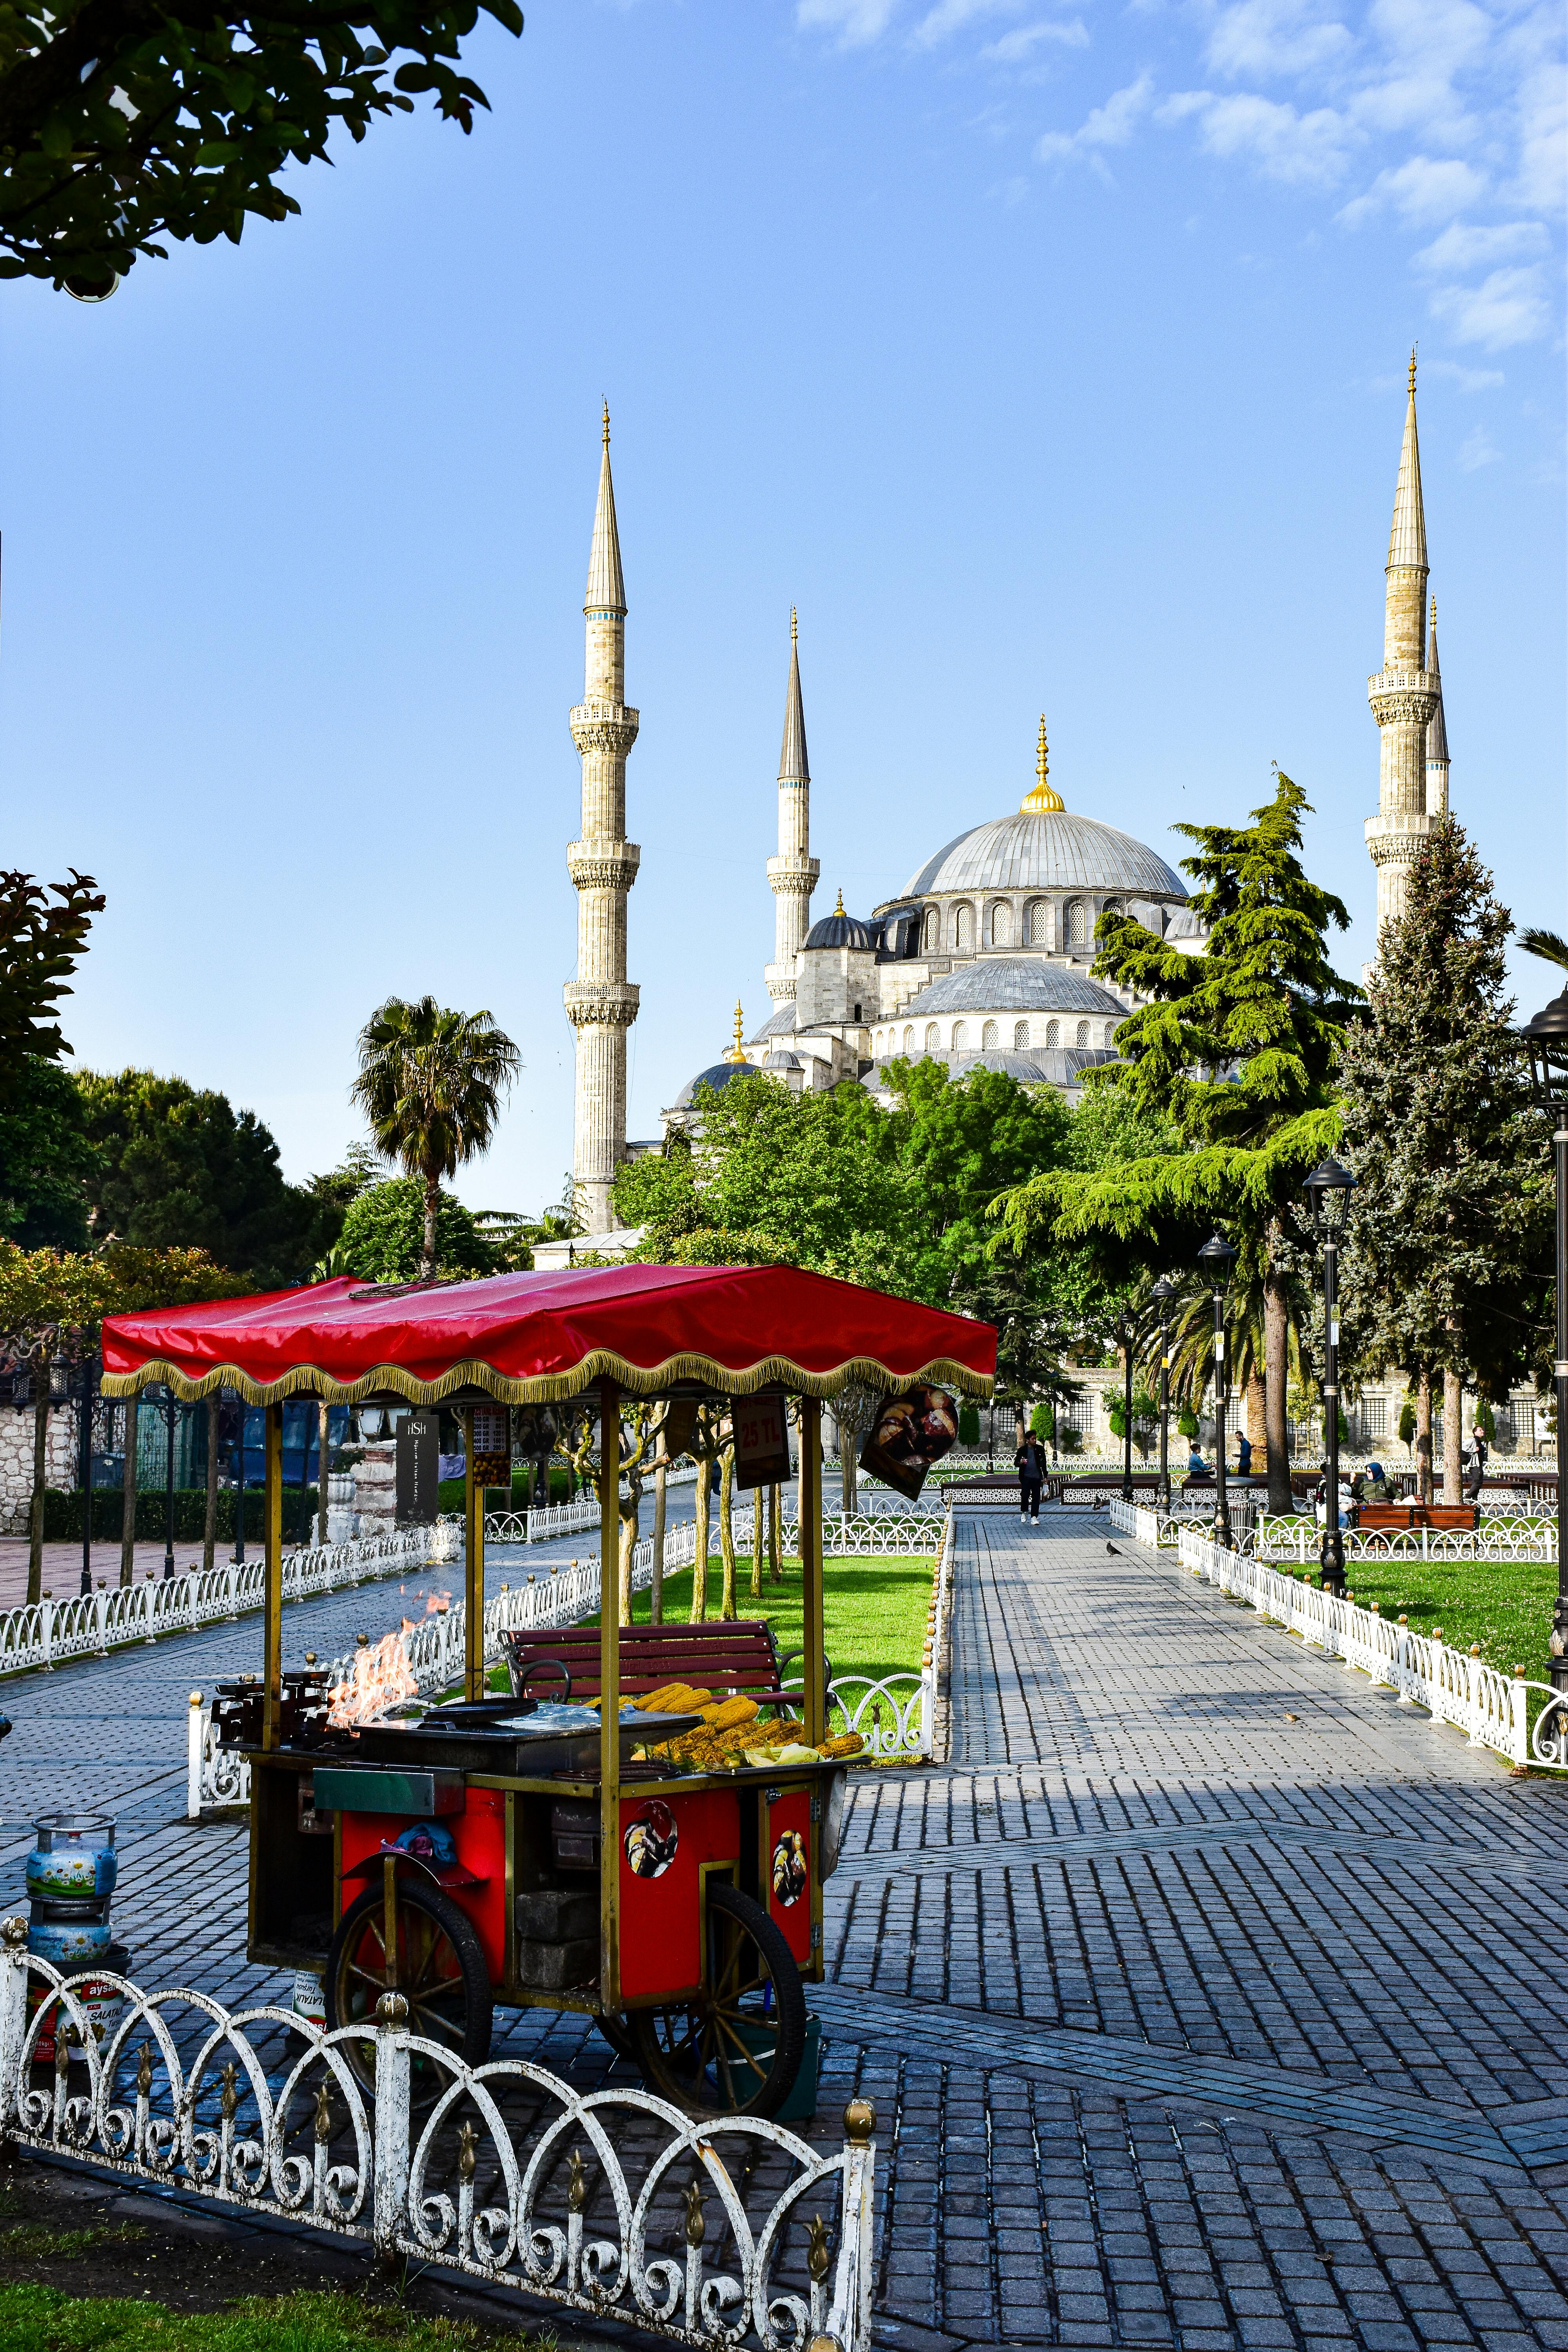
[786, 1867]
[479, 1832]
[664, 1841]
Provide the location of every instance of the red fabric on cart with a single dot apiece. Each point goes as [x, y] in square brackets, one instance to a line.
[535, 1338]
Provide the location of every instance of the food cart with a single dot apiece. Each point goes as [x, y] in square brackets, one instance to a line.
[532, 1848]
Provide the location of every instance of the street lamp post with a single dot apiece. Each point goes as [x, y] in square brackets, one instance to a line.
[1546, 1040]
[1216, 1257]
[1327, 1191]
[1164, 1290]
[84, 1458]
[171, 1407]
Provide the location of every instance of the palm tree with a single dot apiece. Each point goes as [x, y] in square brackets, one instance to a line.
[1550, 946]
[430, 1083]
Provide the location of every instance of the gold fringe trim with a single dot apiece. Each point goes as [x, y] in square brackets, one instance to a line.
[774, 1371]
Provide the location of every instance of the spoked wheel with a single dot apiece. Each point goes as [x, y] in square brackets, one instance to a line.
[737, 2048]
[616, 2029]
[438, 1968]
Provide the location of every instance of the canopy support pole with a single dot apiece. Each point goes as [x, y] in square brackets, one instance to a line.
[609, 1696]
[811, 1568]
[474, 1570]
[272, 1576]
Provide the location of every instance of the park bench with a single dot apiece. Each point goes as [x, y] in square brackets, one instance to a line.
[738, 1656]
[1451, 1517]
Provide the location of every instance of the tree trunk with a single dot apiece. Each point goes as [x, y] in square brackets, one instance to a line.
[631, 1523]
[699, 1557]
[849, 1471]
[655, 1599]
[775, 1514]
[431, 1201]
[1452, 1437]
[1276, 1378]
[759, 1500]
[40, 1474]
[1424, 1435]
[209, 1520]
[727, 1608]
[322, 1450]
[128, 1493]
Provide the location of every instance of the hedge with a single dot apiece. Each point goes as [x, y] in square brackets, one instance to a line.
[62, 1515]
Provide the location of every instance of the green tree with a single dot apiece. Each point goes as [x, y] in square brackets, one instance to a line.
[1447, 1243]
[386, 1231]
[122, 123]
[1236, 1048]
[430, 1082]
[177, 1167]
[43, 936]
[45, 1158]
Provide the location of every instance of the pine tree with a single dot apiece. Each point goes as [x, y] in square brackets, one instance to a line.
[1448, 1230]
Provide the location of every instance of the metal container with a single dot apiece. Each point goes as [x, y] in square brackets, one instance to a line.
[74, 1859]
[70, 1945]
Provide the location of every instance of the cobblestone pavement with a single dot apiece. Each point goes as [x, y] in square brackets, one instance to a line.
[1208, 1998]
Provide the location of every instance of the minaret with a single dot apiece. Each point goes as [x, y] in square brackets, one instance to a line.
[792, 874]
[1437, 733]
[1403, 695]
[600, 1003]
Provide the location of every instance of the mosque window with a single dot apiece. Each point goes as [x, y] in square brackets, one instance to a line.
[1001, 924]
[856, 1012]
[1110, 1029]
[990, 1036]
[961, 1036]
[932, 1038]
[908, 1041]
[931, 931]
[1053, 1032]
[1112, 907]
[1040, 924]
[1020, 1036]
[1075, 922]
[963, 928]
[1082, 1038]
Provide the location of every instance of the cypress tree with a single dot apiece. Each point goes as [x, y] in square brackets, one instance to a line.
[1447, 1236]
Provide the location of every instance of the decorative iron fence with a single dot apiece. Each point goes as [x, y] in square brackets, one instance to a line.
[1501, 1536]
[731, 2231]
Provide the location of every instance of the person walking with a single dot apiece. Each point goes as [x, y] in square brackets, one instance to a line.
[1244, 1456]
[1031, 1467]
[1479, 1461]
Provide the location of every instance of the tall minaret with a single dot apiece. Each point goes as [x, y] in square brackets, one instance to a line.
[1403, 695]
[792, 874]
[600, 1003]
[1437, 733]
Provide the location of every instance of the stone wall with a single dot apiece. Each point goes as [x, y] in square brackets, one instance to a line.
[16, 1461]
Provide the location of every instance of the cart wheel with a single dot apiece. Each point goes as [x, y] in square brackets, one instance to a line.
[738, 2047]
[617, 2031]
[440, 1972]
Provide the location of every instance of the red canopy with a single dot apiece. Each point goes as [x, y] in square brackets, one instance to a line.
[532, 1338]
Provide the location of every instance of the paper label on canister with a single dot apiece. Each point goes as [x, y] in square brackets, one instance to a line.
[310, 1996]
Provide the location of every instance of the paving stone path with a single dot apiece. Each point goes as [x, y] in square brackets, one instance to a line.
[1208, 1998]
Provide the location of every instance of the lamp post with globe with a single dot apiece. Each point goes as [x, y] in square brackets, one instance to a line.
[1327, 1191]
[1545, 1041]
[1216, 1257]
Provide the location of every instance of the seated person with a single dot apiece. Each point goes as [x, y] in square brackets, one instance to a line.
[1197, 1467]
[1378, 1489]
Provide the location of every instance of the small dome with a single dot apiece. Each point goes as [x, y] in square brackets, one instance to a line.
[718, 1074]
[1046, 850]
[1055, 1065]
[1014, 984]
[840, 931]
[781, 1058]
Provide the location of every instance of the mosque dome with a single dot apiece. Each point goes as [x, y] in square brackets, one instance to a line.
[717, 1073]
[1014, 984]
[1047, 849]
[781, 1058]
[840, 930]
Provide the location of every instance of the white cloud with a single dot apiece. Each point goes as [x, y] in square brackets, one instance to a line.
[856, 22]
[950, 17]
[1421, 190]
[1111, 125]
[1300, 149]
[1510, 307]
[1014, 47]
[1275, 37]
[1476, 450]
[1462, 247]
[1467, 379]
[1542, 177]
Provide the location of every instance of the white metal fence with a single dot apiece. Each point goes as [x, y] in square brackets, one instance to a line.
[45, 1633]
[543, 1523]
[1503, 1536]
[731, 2232]
[1493, 1709]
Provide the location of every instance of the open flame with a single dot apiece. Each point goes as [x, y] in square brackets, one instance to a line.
[380, 1676]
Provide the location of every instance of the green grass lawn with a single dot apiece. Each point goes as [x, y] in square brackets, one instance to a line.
[43, 2319]
[1505, 1605]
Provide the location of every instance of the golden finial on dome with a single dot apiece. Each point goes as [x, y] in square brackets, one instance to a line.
[1433, 612]
[1412, 371]
[1043, 801]
[606, 424]
[794, 627]
[839, 909]
[737, 1051]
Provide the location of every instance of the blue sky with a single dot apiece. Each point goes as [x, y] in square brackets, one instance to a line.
[1046, 357]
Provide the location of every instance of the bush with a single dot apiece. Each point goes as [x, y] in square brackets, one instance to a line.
[968, 1424]
[1043, 1422]
[1072, 1440]
[62, 1515]
[383, 1234]
[1187, 1422]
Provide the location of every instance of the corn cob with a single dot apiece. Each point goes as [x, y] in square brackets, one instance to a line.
[726, 1713]
[849, 1743]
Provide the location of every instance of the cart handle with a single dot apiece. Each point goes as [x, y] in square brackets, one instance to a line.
[543, 1665]
[790, 1656]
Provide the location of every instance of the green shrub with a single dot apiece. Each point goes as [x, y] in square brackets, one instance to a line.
[968, 1424]
[1043, 1422]
[62, 1515]
[1187, 1422]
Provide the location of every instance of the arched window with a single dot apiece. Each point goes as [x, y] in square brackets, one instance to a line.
[932, 930]
[1112, 906]
[1001, 924]
[1053, 1032]
[932, 1038]
[1040, 924]
[1110, 1029]
[1075, 922]
[1082, 1038]
[963, 930]
[961, 1036]
[990, 1037]
[1020, 1036]
[908, 1041]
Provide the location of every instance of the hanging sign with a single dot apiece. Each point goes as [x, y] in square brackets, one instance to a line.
[490, 1435]
[911, 1432]
[761, 1439]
